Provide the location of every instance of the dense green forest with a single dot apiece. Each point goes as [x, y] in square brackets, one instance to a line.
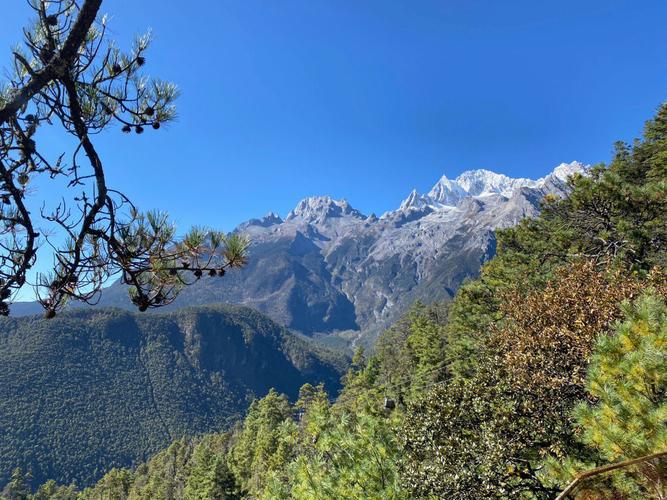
[95, 389]
[552, 362]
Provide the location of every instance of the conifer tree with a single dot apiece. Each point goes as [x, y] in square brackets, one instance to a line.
[18, 487]
[627, 379]
[260, 445]
[209, 477]
[52, 491]
[117, 483]
[346, 456]
[69, 75]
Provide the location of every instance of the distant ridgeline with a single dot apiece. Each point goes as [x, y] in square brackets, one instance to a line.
[98, 388]
[329, 269]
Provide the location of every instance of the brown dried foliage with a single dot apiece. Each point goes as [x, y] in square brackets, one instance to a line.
[547, 336]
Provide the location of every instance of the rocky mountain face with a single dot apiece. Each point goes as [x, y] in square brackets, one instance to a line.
[329, 268]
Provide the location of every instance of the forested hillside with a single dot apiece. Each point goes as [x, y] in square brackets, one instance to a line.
[95, 389]
[551, 363]
[509, 334]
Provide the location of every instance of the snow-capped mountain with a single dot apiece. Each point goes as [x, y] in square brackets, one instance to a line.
[318, 207]
[481, 182]
[329, 268]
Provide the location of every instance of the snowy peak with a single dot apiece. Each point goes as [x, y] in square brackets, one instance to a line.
[415, 200]
[322, 207]
[478, 182]
[446, 192]
[481, 182]
[565, 170]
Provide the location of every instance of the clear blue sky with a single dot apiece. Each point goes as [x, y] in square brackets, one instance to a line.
[367, 99]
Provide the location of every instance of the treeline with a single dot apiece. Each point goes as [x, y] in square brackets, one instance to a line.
[551, 363]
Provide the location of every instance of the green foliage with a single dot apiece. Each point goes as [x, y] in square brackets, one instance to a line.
[52, 491]
[485, 387]
[472, 438]
[407, 357]
[165, 474]
[490, 429]
[474, 310]
[210, 477]
[261, 445]
[93, 84]
[426, 342]
[616, 215]
[17, 488]
[311, 449]
[115, 484]
[353, 456]
[189, 468]
[96, 389]
[627, 379]
[330, 452]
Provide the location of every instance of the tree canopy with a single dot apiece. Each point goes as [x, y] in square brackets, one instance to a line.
[550, 363]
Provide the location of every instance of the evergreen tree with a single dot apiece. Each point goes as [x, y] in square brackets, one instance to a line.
[491, 390]
[259, 445]
[209, 477]
[68, 73]
[427, 345]
[517, 343]
[627, 379]
[18, 487]
[52, 491]
[344, 456]
[115, 485]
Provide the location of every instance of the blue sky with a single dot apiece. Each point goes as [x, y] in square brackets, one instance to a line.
[368, 99]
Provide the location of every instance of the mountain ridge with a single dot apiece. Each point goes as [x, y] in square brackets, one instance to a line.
[98, 388]
[327, 268]
[481, 182]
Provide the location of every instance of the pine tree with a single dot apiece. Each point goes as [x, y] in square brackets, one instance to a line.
[52, 491]
[628, 379]
[209, 477]
[18, 487]
[260, 445]
[348, 456]
[69, 73]
[116, 484]
[427, 344]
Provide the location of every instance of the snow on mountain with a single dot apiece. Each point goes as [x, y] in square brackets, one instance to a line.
[565, 170]
[327, 268]
[484, 182]
[481, 182]
[322, 207]
[446, 192]
[415, 200]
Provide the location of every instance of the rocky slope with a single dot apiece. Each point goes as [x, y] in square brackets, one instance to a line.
[328, 268]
